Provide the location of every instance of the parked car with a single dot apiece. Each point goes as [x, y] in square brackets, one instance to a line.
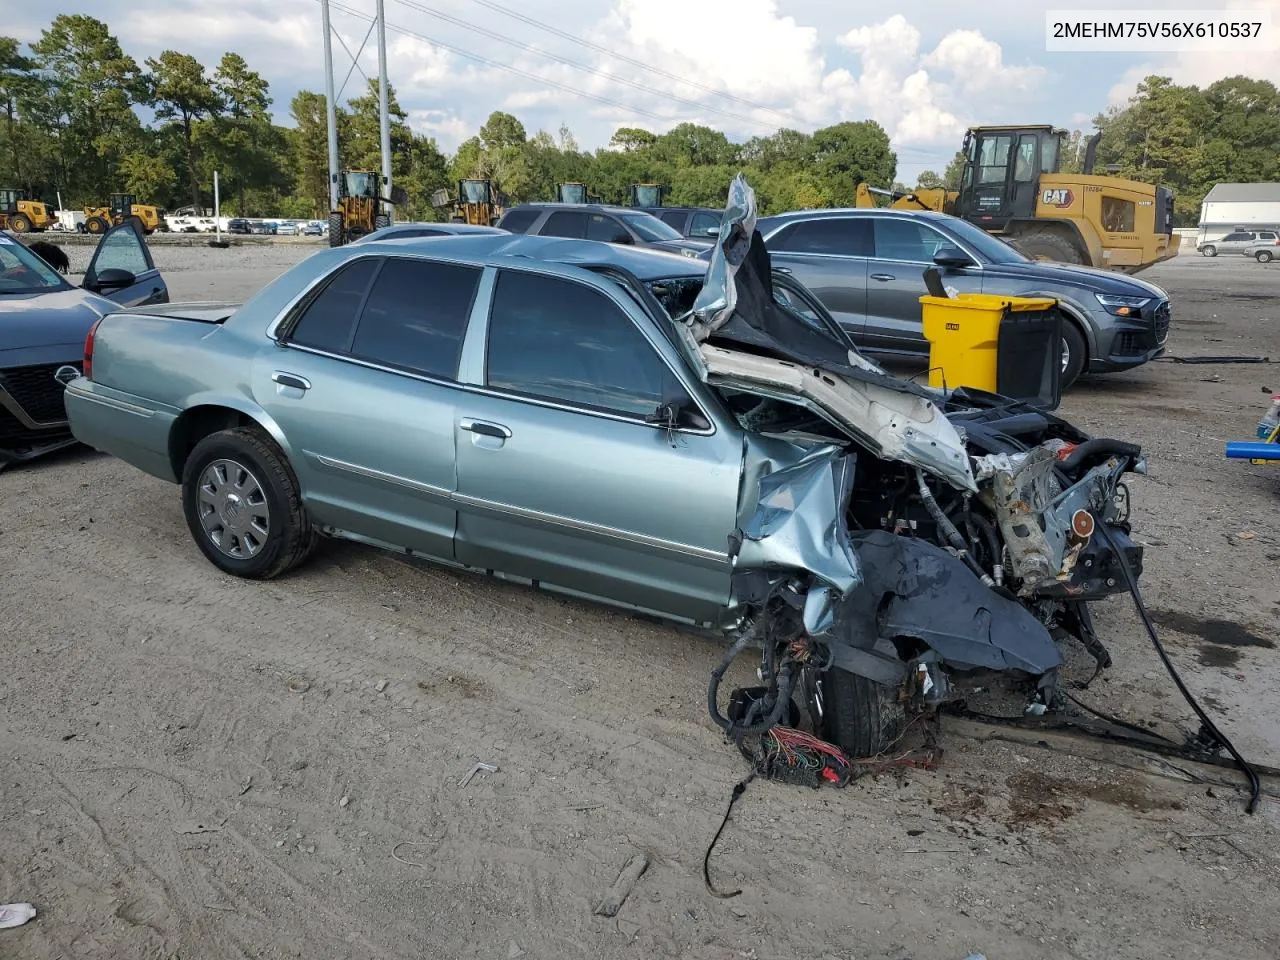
[1263, 250]
[237, 225]
[698, 223]
[1237, 241]
[553, 413]
[262, 229]
[43, 323]
[867, 266]
[404, 231]
[287, 229]
[312, 230]
[593, 221]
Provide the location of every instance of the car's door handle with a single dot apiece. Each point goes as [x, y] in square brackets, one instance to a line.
[291, 380]
[485, 429]
[883, 277]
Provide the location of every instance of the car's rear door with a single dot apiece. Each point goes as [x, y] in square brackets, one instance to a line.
[563, 480]
[122, 269]
[829, 256]
[364, 394]
[904, 249]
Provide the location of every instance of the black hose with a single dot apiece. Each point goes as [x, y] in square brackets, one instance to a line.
[948, 530]
[1097, 447]
[713, 689]
[787, 677]
[1255, 785]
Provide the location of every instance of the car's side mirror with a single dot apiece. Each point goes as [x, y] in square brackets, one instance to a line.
[677, 416]
[711, 232]
[113, 278]
[952, 257]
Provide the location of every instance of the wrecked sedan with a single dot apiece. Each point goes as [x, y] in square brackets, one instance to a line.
[43, 322]
[557, 413]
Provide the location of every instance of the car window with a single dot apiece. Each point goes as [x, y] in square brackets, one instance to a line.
[1266, 235]
[329, 320]
[21, 271]
[401, 234]
[1238, 236]
[993, 162]
[907, 240]
[602, 227]
[416, 315]
[845, 236]
[703, 222]
[650, 227]
[559, 340]
[565, 224]
[121, 249]
[518, 221]
[673, 218]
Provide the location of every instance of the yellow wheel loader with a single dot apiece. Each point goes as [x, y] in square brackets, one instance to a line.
[361, 206]
[21, 214]
[122, 207]
[1012, 187]
[572, 193]
[475, 203]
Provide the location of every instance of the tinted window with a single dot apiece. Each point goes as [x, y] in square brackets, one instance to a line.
[416, 316]
[703, 222]
[560, 340]
[907, 240]
[1266, 235]
[847, 236]
[327, 324]
[673, 217]
[518, 221]
[565, 224]
[1238, 236]
[601, 227]
[402, 234]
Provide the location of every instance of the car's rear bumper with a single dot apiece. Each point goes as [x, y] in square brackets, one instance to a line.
[122, 425]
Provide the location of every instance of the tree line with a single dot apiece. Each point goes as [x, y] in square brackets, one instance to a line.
[73, 104]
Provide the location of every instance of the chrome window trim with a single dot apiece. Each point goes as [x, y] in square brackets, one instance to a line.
[550, 519]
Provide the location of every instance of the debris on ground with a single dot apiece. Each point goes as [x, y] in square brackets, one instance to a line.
[15, 914]
[486, 767]
[622, 887]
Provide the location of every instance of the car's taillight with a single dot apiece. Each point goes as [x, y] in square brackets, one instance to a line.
[88, 349]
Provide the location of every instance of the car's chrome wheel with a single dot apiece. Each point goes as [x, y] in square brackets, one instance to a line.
[233, 509]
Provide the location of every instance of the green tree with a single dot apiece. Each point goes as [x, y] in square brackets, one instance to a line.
[955, 170]
[632, 138]
[847, 154]
[146, 175]
[182, 93]
[502, 130]
[929, 180]
[693, 145]
[784, 151]
[86, 101]
[310, 148]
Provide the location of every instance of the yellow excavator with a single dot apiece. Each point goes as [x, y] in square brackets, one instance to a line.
[1013, 187]
[361, 206]
[21, 214]
[475, 203]
[122, 207]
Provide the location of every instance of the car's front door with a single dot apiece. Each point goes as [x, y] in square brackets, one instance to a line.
[122, 269]
[565, 479]
[829, 256]
[904, 249]
[363, 391]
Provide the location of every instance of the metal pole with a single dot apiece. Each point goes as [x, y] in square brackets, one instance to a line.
[217, 209]
[331, 109]
[384, 117]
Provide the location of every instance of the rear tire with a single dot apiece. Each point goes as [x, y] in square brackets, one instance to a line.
[220, 502]
[380, 221]
[336, 238]
[96, 226]
[1263, 256]
[1075, 353]
[1209, 250]
[1049, 246]
[20, 223]
[862, 717]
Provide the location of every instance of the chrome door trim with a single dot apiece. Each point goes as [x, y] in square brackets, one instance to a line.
[372, 474]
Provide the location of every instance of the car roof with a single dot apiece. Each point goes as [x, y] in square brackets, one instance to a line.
[826, 214]
[657, 210]
[592, 207]
[506, 249]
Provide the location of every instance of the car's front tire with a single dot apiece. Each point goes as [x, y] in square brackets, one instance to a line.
[1209, 250]
[1075, 354]
[862, 717]
[1263, 256]
[243, 505]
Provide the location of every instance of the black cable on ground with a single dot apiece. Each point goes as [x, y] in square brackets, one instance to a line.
[739, 789]
[1255, 785]
[1137, 728]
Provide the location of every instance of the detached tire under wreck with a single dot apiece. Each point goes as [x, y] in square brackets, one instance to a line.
[894, 541]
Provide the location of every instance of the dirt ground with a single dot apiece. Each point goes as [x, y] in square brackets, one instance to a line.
[200, 767]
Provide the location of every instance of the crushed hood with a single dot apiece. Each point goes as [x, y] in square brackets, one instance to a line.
[739, 337]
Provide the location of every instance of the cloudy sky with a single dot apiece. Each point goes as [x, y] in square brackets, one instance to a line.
[924, 69]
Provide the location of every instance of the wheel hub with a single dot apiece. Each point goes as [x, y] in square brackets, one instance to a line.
[233, 509]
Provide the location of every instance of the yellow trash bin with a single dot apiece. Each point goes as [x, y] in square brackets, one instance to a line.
[964, 336]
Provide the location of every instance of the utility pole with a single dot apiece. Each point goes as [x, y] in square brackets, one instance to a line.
[384, 117]
[331, 109]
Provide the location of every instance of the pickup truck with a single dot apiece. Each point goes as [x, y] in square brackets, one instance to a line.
[634, 428]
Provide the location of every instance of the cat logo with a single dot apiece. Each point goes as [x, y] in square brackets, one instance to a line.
[952, 326]
[1057, 197]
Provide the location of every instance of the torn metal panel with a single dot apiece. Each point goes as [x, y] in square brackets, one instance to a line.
[718, 297]
[798, 524]
[915, 590]
[893, 425]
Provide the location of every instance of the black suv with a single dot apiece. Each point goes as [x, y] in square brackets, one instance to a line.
[237, 225]
[592, 221]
